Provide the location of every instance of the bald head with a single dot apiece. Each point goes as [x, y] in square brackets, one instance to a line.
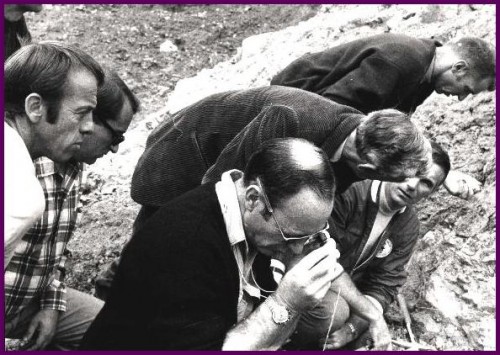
[286, 166]
[304, 154]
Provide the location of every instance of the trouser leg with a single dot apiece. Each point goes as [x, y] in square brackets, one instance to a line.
[82, 309]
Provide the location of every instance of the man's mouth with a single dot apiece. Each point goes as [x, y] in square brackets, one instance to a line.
[405, 194]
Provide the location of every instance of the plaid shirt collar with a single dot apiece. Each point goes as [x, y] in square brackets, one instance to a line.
[45, 167]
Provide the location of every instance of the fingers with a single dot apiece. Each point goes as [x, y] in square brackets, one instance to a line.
[318, 255]
[377, 344]
[381, 338]
[307, 283]
[462, 185]
[29, 333]
[43, 339]
[339, 338]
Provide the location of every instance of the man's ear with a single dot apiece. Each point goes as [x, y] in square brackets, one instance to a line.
[34, 107]
[252, 197]
[460, 68]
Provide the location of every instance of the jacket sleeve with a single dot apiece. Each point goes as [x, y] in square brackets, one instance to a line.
[369, 87]
[385, 276]
[274, 121]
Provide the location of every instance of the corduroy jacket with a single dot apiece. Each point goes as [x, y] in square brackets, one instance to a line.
[225, 129]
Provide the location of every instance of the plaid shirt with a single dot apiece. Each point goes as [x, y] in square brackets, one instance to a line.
[37, 267]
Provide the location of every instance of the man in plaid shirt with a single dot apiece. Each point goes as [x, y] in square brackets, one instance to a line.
[38, 307]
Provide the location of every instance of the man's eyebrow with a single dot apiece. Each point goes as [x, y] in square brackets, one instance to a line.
[87, 107]
[84, 108]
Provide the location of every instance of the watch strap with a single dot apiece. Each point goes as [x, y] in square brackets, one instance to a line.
[352, 328]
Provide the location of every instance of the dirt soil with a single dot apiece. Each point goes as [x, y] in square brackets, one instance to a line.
[451, 288]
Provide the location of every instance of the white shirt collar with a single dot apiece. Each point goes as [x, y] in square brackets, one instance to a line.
[228, 200]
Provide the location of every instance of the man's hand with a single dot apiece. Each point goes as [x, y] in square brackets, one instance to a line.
[41, 329]
[339, 338]
[461, 185]
[308, 281]
[380, 335]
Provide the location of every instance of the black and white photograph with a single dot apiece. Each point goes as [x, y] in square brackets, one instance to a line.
[249, 177]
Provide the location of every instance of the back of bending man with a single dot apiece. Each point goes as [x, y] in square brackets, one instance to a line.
[393, 71]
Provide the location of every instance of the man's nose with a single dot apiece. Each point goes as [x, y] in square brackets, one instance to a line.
[87, 126]
[412, 183]
[114, 148]
[296, 246]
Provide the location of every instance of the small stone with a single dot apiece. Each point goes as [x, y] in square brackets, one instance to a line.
[168, 46]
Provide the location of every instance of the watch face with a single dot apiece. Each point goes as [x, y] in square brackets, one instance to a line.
[280, 314]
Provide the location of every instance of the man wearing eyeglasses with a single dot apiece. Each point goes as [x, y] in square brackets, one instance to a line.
[39, 309]
[189, 278]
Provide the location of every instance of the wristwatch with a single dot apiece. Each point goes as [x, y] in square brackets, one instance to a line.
[353, 329]
[279, 312]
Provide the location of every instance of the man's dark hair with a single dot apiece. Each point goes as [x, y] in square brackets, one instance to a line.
[479, 54]
[441, 158]
[111, 97]
[287, 165]
[391, 141]
[43, 68]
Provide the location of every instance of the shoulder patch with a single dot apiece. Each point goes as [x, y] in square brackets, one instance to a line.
[385, 250]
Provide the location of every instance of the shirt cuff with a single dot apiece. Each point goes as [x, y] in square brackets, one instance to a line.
[54, 297]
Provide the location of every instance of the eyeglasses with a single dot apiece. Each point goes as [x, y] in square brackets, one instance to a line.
[116, 137]
[271, 211]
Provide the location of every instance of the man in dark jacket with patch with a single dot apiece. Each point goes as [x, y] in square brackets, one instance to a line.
[376, 230]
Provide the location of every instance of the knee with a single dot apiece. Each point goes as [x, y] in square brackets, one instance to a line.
[313, 325]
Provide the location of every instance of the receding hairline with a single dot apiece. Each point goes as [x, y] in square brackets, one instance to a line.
[305, 155]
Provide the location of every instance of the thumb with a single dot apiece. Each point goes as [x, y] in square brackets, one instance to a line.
[332, 341]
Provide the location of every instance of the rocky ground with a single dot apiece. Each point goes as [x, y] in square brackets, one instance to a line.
[174, 55]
